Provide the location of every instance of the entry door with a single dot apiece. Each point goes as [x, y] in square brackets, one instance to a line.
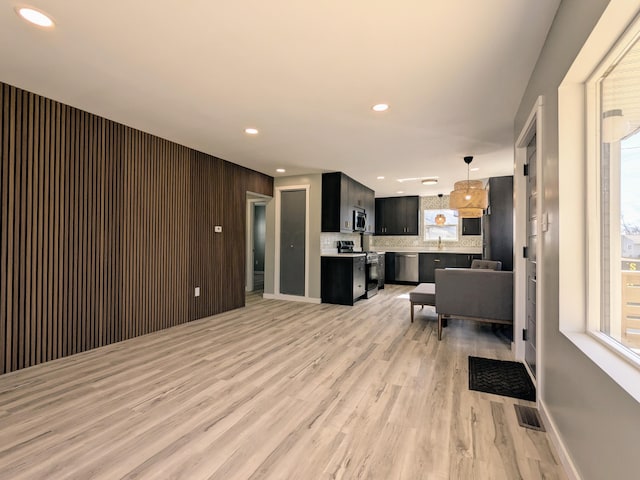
[532, 241]
[293, 211]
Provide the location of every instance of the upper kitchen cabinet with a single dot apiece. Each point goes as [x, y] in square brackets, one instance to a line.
[397, 215]
[341, 195]
[497, 224]
[472, 226]
[370, 209]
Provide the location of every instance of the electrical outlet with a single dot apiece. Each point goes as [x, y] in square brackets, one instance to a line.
[197, 291]
[217, 229]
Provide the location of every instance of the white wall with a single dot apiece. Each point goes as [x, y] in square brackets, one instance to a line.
[596, 420]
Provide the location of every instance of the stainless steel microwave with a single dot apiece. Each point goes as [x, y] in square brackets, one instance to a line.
[359, 221]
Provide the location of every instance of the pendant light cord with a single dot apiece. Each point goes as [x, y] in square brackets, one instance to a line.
[468, 161]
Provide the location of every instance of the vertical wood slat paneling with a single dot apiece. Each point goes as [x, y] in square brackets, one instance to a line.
[218, 197]
[4, 201]
[106, 230]
[157, 179]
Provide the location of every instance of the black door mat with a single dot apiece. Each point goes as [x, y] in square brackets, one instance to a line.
[499, 377]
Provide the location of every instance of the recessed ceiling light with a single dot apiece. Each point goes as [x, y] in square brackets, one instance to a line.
[380, 178]
[251, 131]
[475, 169]
[35, 17]
[430, 181]
[400, 191]
[380, 107]
[280, 170]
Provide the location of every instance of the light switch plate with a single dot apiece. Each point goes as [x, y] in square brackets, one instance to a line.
[217, 229]
[197, 291]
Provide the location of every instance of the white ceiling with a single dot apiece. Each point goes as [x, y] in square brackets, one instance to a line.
[305, 73]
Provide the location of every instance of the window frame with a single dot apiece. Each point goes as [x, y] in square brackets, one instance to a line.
[579, 140]
[427, 225]
[594, 197]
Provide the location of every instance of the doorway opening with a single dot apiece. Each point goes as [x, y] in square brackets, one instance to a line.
[255, 239]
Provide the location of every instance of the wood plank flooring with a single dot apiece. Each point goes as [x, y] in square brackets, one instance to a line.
[276, 390]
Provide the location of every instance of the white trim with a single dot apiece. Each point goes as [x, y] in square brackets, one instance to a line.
[248, 287]
[552, 431]
[276, 277]
[574, 145]
[533, 126]
[291, 298]
[252, 200]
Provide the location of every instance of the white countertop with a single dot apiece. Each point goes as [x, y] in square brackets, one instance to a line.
[461, 250]
[343, 255]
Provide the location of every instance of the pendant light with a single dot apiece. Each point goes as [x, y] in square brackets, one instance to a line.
[469, 197]
[440, 218]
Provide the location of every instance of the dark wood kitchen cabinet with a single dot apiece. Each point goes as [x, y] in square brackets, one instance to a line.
[472, 226]
[397, 215]
[429, 262]
[370, 210]
[342, 279]
[341, 195]
[390, 267]
[497, 223]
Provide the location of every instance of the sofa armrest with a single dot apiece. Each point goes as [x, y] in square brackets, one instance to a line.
[475, 293]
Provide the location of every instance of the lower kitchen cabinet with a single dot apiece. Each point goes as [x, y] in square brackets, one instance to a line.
[342, 279]
[429, 262]
[390, 267]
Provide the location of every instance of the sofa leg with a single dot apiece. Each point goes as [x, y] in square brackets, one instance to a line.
[439, 326]
[411, 312]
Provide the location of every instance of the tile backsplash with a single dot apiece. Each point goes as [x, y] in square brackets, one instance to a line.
[389, 242]
[384, 242]
[328, 241]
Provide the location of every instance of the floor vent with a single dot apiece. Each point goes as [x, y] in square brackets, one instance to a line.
[528, 417]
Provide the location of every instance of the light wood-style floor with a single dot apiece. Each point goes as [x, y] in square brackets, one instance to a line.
[276, 390]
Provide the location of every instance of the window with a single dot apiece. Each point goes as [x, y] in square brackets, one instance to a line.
[439, 229]
[616, 171]
[597, 139]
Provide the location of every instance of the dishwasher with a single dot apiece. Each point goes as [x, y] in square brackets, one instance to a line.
[406, 267]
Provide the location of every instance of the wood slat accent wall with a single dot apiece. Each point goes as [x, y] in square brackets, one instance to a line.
[106, 230]
[207, 247]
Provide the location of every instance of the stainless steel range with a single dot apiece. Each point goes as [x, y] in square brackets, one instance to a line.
[372, 273]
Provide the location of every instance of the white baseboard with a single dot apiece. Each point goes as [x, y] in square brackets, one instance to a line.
[291, 298]
[569, 467]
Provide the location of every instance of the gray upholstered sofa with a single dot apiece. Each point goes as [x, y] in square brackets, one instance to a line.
[477, 293]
